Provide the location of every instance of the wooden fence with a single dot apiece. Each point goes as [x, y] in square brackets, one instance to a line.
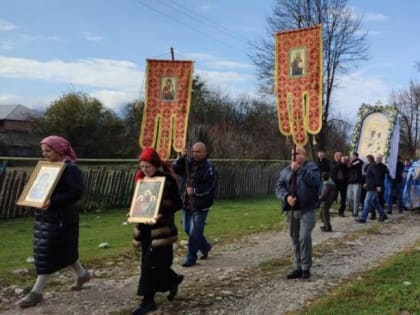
[111, 187]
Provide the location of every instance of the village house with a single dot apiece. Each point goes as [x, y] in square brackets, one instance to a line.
[16, 138]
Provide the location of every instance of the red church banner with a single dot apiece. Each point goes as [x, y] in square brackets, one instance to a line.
[298, 70]
[167, 105]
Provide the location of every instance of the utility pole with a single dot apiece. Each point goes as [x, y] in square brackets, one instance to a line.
[172, 54]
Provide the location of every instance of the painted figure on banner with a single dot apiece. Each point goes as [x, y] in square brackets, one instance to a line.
[373, 135]
[374, 142]
[168, 89]
[297, 64]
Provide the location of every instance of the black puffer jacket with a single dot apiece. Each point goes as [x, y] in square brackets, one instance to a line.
[56, 230]
[164, 232]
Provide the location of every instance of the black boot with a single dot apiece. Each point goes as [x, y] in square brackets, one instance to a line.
[173, 290]
[145, 307]
[306, 274]
[295, 274]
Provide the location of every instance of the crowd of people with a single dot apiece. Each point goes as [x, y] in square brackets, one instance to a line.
[362, 187]
[365, 187]
[190, 184]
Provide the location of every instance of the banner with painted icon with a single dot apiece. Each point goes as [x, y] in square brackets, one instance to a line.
[167, 105]
[377, 131]
[298, 79]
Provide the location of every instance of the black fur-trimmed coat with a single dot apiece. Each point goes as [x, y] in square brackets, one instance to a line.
[164, 232]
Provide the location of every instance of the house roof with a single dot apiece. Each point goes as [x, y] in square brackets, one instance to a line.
[16, 112]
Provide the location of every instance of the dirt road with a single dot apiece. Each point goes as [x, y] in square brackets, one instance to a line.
[246, 276]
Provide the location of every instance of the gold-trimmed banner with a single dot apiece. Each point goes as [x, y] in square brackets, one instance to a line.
[298, 71]
[167, 105]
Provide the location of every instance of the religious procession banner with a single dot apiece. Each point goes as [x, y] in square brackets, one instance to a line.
[377, 131]
[298, 72]
[167, 105]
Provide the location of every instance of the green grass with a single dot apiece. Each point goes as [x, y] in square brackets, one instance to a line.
[392, 288]
[226, 220]
[383, 290]
[233, 218]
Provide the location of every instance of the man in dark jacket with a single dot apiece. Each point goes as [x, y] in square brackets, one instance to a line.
[355, 179]
[383, 173]
[198, 184]
[399, 185]
[322, 162]
[373, 187]
[327, 197]
[298, 187]
[338, 175]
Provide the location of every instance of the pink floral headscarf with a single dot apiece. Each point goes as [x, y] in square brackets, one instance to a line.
[61, 146]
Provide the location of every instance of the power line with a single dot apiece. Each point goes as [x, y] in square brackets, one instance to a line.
[203, 19]
[148, 6]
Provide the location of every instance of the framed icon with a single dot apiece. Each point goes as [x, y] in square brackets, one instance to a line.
[297, 62]
[146, 199]
[168, 86]
[41, 184]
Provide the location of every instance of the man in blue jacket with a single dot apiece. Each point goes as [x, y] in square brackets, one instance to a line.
[298, 188]
[198, 184]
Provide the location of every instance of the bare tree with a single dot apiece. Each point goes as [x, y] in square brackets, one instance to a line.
[240, 127]
[344, 43]
[339, 134]
[408, 104]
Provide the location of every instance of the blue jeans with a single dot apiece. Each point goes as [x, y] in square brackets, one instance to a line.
[300, 229]
[193, 223]
[372, 202]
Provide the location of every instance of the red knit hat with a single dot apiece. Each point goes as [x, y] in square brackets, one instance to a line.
[151, 156]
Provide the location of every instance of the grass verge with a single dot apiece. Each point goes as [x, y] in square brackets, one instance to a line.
[391, 288]
[227, 220]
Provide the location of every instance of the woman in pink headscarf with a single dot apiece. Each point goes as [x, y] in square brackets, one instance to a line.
[56, 228]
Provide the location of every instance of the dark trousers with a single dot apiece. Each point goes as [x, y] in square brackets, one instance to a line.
[325, 214]
[342, 190]
[156, 273]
